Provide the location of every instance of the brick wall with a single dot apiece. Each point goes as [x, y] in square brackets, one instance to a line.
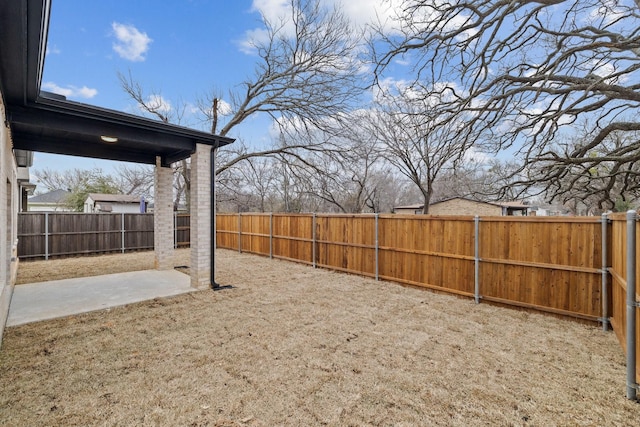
[201, 217]
[163, 217]
[464, 207]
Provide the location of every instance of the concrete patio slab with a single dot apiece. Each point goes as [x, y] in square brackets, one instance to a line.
[59, 298]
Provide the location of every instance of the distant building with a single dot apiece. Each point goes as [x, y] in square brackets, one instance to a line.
[409, 209]
[551, 210]
[114, 203]
[53, 201]
[463, 206]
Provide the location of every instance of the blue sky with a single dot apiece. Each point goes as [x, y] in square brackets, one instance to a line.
[180, 49]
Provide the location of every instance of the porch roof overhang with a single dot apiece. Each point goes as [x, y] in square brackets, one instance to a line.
[51, 124]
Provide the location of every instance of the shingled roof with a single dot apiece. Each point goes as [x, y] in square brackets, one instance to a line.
[55, 196]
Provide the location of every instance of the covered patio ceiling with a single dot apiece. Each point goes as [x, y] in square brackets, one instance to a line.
[49, 123]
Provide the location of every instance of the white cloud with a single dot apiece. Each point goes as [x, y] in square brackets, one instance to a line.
[361, 13]
[158, 103]
[224, 108]
[277, 12]
[367, 12]
[473, 155]
[607, 11]
[272, 10]
[253, 38]
[52, 50]
[390, 90]
[130, 44]
[70, 91]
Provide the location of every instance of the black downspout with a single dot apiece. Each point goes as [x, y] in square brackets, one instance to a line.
[212, 195]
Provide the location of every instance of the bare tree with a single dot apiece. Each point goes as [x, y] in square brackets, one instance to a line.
[134, 180]
[307, 70]
[79, 183]
[258, 176]
[156, 106]
[350, 178]
[290, 190]
[599, 185]
[411, 138]
[51, 180]
[524, 72]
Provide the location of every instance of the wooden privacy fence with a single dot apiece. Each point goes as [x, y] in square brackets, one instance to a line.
[550, 264]
[42, 235]
[57, 234]
[182, 230]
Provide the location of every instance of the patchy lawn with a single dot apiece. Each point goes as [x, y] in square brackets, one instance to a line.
[290, 345]
[66, 268]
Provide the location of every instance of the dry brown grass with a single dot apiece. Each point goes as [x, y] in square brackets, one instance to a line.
[290, 345]
[65, 268]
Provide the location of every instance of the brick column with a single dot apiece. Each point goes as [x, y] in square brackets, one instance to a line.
[163, 217]
[201, 217]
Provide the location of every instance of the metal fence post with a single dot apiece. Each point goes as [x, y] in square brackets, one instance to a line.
[631, 305]
[271, 235]
[605, 266]
[377, 249]
[239, 232]
[122, 230]
[46, 235]
[314, 240]
[476, 244]
[175, 230]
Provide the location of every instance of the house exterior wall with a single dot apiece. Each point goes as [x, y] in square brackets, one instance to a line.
[407, 211]
[9, 203]
[121, 207]
[464, 207]
[46, 207]
[91, 206]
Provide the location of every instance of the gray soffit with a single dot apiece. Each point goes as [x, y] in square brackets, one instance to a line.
[45, 123]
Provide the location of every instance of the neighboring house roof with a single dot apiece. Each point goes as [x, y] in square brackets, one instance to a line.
[55, 196]
[114, 198]
[511, 205]
[418, 206]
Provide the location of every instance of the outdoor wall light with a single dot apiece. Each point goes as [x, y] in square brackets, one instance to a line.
[109, 139]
